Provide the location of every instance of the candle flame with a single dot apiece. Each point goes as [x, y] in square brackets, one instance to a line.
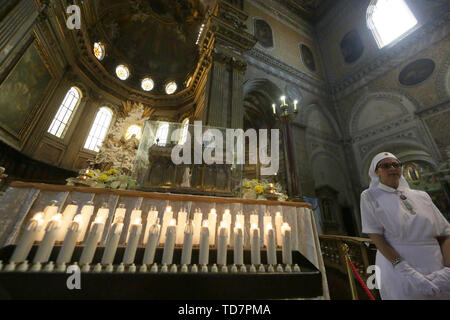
[278, 214]
[57, 217]
[285, 227]
[205, 223]
[78, 218]
[223, 224]
[254, 226]
[213, 211]
[173, 222]
[227, 211]
[269, 226]
[137, 221]
[98, 219]
[38, 216]
[238, 225]
[169, 208]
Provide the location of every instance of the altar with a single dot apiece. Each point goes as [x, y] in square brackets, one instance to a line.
[303, 277]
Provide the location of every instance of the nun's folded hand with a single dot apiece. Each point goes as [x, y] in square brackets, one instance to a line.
[416, 280]
[441, 279]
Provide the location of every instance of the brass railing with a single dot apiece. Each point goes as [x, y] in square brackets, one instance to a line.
[361, 251]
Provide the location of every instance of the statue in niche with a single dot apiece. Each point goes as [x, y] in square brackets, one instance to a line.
[263, 32]
[416, 72]
[351, 46]
[186, 183]
[308, 57]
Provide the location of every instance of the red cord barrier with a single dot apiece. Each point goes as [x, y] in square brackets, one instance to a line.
[361, 282]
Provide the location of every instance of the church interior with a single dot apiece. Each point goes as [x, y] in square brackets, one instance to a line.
[95, 96]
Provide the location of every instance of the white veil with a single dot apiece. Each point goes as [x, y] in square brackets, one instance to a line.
[375, 180]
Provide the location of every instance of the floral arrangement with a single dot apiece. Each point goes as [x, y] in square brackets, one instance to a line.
[112, 179]
[262, 190]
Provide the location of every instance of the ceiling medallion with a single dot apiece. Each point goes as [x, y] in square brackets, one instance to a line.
[99, 50]
[171, 87]
[147, 84]
[122, 72]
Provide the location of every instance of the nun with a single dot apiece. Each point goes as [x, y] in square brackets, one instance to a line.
[410, 233]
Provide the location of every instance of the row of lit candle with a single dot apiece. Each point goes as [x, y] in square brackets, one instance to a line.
[72, 228]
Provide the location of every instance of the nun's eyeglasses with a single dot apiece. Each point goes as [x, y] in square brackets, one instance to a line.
[387, 165]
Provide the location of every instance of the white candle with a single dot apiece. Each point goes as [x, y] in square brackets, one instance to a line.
[188, 233]
[167, 218]
[227, 219]
[152, 243]
[204, 244]
[197, 226]
[287, 247]
[112, 241]
[169, 244]
[278, 223]
[222, 242]
[67, 218]
[86, 213]
[151, 220]
[70, 241]
[271, 246]
[255, 245]
[212, 221]
[30, 234]
[238, 244]
[135, 214]
[92, 241]
[47, 244]
[254, 219]
[133, 241]
[266, 220]
[181, 225]
[49, 212]
[103, 214]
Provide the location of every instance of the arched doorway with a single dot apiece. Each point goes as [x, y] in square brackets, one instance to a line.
[259, 95]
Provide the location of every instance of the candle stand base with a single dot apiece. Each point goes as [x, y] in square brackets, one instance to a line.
[168, 286]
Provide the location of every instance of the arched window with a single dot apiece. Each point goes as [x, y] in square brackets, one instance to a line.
[65, 112]
[184, 131]
[99, 129]
[161, 134]
[389, 20]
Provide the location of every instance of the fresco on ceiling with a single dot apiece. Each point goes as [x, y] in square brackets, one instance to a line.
[416, 72]
[263, 32]
[351, 46]
[22, 90]
[308, 57]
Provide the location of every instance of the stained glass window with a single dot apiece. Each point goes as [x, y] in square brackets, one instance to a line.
[389, 20]
[99, 129]
[171, 87]
[147, 84]
[99, 50]
[122, 72]
[65, 112]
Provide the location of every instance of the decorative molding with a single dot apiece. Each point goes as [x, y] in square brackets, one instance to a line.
[390, 58]
[392, 95]
[411, 134]
[442, 79]
[431, 111]
[282, 70]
